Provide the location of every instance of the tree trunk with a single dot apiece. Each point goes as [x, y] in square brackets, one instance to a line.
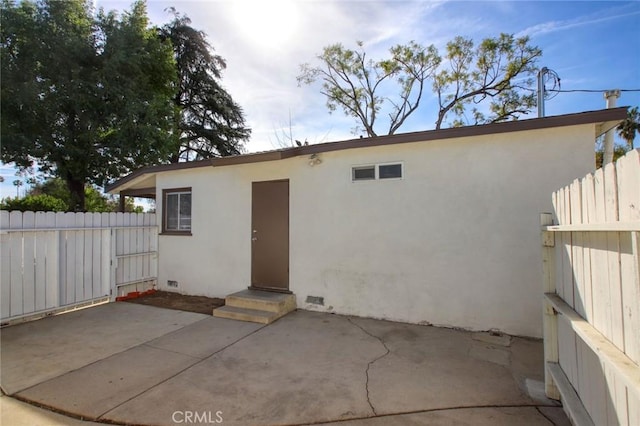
[76, 190]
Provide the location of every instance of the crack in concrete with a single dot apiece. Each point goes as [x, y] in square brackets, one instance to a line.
[427, 410]
[200, 360]
[388, 351]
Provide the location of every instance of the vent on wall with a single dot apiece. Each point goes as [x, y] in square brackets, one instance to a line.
[172, 283]
[316, 300]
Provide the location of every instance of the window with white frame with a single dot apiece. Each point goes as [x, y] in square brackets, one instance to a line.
[176, 217]
[376, 172]
[363, 173]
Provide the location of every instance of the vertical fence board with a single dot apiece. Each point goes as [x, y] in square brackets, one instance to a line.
[613, 257]
[133, 261]
[577, 264]
[52, 262]
[558, 258]
[146, 245]
[113, 249]
[105, 260]
[62, 257]
[15, 222]
[28, 263]
[96, 255]
[616, 401]
[629, 309]
[5, 265]
[86, 237]
[581, 383]
[627, 169]
[153, 245]
[594, 389]
[561, 252]
[130, 247]
[586, 187]
[40, 277]
[139, 245]
[70, 259]
[567, 351]
[125, 263]
[80, 258]
[567, 268]
[549, 319]
[120, 237]
[602, 298]
[633, 404]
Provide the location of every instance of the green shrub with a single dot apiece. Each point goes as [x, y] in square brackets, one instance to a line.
[36, 203]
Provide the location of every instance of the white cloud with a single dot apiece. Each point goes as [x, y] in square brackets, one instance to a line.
[261, 73]
[563, 25]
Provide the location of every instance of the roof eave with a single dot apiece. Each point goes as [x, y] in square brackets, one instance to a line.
[602, 119]
[140, 174]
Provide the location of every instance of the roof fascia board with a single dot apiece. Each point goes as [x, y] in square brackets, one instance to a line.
[139, 192]
[602, 119]
[130, 179]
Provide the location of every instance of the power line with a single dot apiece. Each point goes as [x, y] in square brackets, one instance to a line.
[552, 76]
[590, 90]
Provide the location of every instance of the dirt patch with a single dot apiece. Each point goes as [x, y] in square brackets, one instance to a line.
[180, 302]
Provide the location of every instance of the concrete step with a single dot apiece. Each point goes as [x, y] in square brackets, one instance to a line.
[262, 300]
[244, 314]
[263, 307]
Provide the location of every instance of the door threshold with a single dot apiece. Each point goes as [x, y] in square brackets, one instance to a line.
[271, 289]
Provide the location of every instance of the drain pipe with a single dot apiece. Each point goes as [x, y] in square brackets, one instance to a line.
[611, 97]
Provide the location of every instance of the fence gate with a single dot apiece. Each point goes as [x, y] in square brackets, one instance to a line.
[592, 296]
[51, 262]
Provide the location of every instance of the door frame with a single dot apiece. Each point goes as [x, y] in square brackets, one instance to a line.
[254, 284]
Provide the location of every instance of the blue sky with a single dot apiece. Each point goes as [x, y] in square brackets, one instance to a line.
[591, 45]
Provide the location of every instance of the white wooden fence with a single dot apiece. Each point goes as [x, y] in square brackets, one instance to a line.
[592, 296]
[55, 261]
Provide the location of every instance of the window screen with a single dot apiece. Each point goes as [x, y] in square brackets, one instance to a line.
[177, 211]
[364, 173]
[390, 171]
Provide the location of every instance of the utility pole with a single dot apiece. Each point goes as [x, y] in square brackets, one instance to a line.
[541, 94]
[611, 96]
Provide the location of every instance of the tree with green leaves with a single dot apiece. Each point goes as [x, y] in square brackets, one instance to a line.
[210, 124]
[498, 74]
[353, 82]
[34, 203]
[630, 126]
[500, 70]
[17, 183]
[85, 98]
[53, 195]
[619, 150]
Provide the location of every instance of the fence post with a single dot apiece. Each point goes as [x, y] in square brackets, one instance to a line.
[549, 318]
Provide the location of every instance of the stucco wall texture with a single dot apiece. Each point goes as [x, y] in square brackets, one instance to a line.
[455, 242]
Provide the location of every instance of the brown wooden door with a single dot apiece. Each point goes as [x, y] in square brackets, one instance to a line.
[270, 235]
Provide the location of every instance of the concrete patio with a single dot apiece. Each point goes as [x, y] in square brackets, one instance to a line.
[132, 364]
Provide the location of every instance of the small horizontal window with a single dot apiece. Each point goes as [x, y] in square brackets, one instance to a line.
[374, 172]
[390, 171]
[364, 173]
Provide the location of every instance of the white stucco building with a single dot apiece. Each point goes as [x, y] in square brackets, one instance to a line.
[437, 227]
